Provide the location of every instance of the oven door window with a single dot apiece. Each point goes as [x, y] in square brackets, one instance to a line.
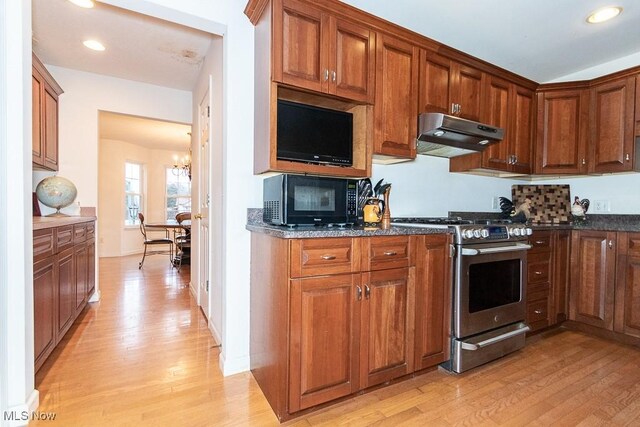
[493, 284]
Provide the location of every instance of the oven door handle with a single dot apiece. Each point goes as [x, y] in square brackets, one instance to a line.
[510, 248]
[478, 346]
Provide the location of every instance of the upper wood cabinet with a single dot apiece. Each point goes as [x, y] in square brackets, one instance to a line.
[612, 126]
[593, 264]
[396, 101]
[449, 87]
[44, 93]
[317, 51]
[562, 131]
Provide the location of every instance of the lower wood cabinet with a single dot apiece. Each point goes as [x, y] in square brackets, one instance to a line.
[63, 278]
[378, 310]
[627, 298]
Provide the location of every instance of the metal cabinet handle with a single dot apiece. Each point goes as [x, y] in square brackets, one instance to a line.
[537, 311]
[459, 108]
[610, 244]
[538, 273]
[391, 253]
[359, 292]
[326, 74]
[584, 162]
[333, 76]
[367, 291]
[328, 257]
[485, 343]
[453, 108]
[539, 242]
[627, 157]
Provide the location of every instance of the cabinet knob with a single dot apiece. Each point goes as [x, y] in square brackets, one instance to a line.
[627, 157]
[537, 311]
[584, 162]
[610, 244]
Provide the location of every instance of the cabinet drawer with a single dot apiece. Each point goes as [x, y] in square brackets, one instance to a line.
[43, 244]
[64, 238]
[381, 253]
[318, 257]
[91, 230]
[540, 241]
[538, 271]
[538, 291]
[537, 311]
[79, 232]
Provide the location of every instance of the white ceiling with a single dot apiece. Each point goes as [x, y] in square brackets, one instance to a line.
[538, 39]
[149, 133]
[138, 47]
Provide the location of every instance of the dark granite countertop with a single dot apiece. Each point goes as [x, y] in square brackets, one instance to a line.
[255, 224]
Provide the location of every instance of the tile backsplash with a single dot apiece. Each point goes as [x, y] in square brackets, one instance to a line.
[550, 204]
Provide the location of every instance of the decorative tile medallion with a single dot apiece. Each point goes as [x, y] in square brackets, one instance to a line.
[550, 204]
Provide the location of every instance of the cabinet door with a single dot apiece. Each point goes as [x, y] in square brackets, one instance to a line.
[562, 131]
[396, 103]
[45, 281]
[593, 260]
[521, 130]
[612, 126]
[300, 47]
[387, 325]
[66, 291]
[50, 117]
[468, 92]
[627, 312]
[91, 266]
[560, 281]
[433, 301]
[37, 88]
[498, 156]
[81, 264]
[435, 84]
[352, 61]
[323, 348]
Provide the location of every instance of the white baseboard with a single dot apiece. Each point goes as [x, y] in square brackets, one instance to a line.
[234, 366]
[216, 335]
[95, 297]
[20, 415]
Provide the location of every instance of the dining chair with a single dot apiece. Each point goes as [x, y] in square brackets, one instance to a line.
[182, 240]
[154, 243]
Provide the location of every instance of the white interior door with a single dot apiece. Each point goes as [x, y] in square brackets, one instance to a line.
[204, 199]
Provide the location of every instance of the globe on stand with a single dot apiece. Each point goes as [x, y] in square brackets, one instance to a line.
[56, 192]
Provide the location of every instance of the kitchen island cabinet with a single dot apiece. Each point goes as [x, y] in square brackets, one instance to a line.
[333, 316]
[63, 277]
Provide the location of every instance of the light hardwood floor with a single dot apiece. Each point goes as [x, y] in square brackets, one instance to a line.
[144, 356]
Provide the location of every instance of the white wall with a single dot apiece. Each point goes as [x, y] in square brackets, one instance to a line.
[424, 187]
[114, 239]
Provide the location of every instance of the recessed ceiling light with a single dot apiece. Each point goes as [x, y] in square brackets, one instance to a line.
[87, 4]
[93, 44]
[604, 14]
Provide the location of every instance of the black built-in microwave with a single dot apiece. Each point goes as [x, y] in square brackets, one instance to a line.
[309, 200]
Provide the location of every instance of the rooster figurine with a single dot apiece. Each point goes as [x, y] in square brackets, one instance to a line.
[517, 214]
[580, 208]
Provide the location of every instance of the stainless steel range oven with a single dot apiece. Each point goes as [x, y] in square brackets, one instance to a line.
[489, 290]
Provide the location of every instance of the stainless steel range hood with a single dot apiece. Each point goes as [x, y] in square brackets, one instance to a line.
[448, 136]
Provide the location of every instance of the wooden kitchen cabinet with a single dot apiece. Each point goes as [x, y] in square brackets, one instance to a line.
[627, 299]
[612, 120]
[433, 301]
[317, 51]
[448, 87]
[559, 310]
[562, 130]
[45, 92]
[593, 263]
[319, 334]
[396, 101]
[63, 277]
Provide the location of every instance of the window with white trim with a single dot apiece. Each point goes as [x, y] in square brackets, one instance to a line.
[133, 193]
[178, 193]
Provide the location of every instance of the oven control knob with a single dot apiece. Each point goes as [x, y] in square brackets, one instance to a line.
[516, 232]
[484, 233]
[529, 231]
[476, 233]
[467, 234]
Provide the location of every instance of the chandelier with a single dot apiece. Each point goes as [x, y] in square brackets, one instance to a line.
[182, 166]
